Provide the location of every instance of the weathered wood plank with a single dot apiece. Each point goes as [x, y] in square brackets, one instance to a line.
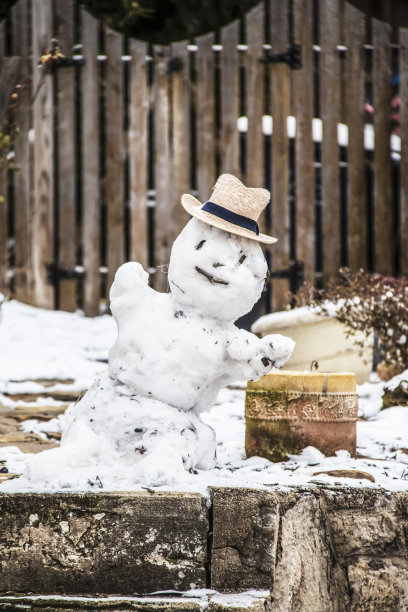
[3, 232]
[303, 101]
[2, 39]
[162, 165]
[383, 239]
[138, 143]
[3, 189]
[9, 71]
[354, 32]
[403, 72]
[65, 83]
[254, 102]
[90, 164]
[43, 118]
[181, 130]
[205, 113]
[329, 27]
[229, 136]
[280, 103]
[114, 180]
[21, 178]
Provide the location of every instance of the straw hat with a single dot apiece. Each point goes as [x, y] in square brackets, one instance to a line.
[232, 207]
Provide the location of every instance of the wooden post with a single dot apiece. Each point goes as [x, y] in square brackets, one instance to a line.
[329, 24]
[181, 130]
[205, 111]
[303, 104]
[254, 103]
[138, 153]
[353, 85]
[403, 93]
[162, 166]
[21, 178]
[383, 238]
[3, 181]
[280, 102]
[43, 117]
[91, 195]
[229, 136]
[66, 200]
[114, 179]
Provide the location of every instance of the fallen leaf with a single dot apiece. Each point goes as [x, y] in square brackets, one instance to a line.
[348, 474]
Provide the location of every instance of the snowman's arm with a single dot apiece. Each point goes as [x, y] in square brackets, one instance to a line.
[130, 286]
[253, 357]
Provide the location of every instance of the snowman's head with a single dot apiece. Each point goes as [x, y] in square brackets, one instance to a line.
[218, 273]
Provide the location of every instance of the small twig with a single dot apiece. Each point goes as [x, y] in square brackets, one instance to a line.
[211, 278]
[173, 283]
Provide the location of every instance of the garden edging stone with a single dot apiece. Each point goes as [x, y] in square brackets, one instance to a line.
[317, 548]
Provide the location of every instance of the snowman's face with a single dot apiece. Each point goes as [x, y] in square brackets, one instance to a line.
[219, 273]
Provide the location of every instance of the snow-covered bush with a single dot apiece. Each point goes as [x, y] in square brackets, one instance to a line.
[366, 302]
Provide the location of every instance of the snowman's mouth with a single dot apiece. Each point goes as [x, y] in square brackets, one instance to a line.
[211, 278]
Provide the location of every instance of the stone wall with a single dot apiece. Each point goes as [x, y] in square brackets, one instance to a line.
[315, 549]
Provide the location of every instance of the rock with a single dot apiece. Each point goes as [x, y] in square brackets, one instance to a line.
[111, 543]
[316, 549]
[397, 396]
[245, 538]
[304, 564]
[378, 584]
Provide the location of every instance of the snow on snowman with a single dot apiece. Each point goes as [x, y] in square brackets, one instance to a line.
[173, 353]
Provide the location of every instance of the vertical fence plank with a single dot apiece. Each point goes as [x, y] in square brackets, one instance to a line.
[139, 108]
[65, 82]
[403, 94]
[280, 103]
[254, 102]
[163, 221]
[21, 178]
[43, 118]
[329, 28]
[90, 164]
[205, 113]
[229, 136]
[3, 192]
[114, 180]
[383, 239]
[354, 31]
[303, 101]
[181, 129]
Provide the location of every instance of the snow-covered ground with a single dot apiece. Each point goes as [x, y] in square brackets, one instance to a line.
[38, 345]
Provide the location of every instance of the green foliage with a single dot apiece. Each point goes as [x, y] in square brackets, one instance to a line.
[366, 302]
[165, 21]
[160, 21]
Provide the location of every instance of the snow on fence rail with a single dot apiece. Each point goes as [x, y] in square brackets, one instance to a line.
[108, 142]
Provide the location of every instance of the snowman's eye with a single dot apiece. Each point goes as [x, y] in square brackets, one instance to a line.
[242, 259]
[199, 245]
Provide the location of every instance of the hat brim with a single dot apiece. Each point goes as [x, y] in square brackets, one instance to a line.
[193, 207]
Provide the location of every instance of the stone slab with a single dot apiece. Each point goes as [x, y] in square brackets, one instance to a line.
[127, 543]
[240, 602]
[114, 604]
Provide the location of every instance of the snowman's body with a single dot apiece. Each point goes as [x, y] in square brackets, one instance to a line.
[140, 420]
[183, 347]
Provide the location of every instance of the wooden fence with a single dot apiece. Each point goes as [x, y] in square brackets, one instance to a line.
[109, 140]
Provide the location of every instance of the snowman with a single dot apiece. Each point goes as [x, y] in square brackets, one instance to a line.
[175, 351]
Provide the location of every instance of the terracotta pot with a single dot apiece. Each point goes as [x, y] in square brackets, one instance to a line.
[286, 411]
